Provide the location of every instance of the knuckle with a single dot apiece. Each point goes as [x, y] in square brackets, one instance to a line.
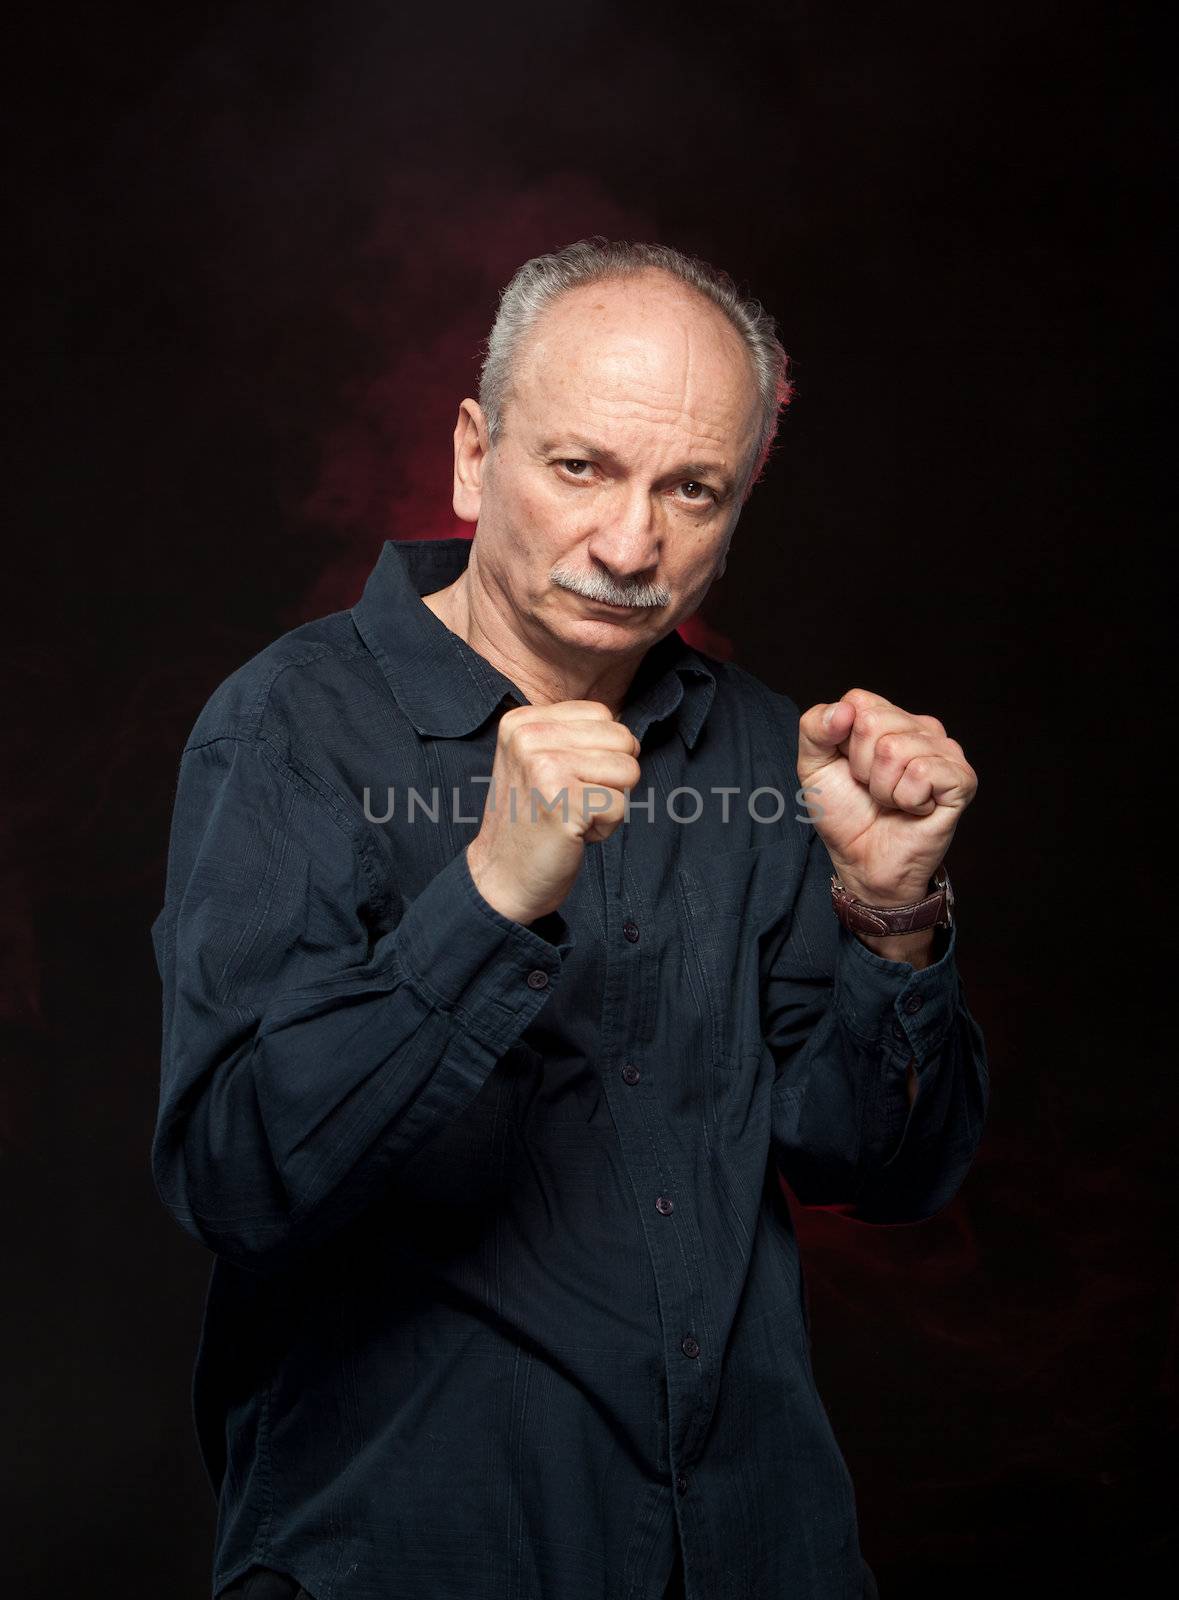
[537, 732]
[544, 767]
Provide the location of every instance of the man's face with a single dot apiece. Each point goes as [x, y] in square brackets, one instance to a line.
[625, 443]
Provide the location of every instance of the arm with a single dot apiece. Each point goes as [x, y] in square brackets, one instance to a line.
[918, 950]
[304, 1058]
[845, 1134]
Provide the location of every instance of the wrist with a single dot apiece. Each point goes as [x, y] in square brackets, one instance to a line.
[906, 893]
[918, 949]
[484, 879]
[889, 925]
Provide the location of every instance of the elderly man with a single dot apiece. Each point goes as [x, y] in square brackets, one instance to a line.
[514, 956]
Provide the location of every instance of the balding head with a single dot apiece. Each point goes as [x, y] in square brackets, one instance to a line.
[537, 285]
[630, 419]
[641, 368]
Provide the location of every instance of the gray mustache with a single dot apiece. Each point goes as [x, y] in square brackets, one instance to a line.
[601, 589]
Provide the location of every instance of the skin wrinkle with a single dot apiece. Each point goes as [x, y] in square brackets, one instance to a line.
[655, 374]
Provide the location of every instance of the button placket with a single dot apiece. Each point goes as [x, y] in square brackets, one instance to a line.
[629, 1014]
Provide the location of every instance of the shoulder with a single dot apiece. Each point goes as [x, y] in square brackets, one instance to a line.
[293, 679]
[267, 749]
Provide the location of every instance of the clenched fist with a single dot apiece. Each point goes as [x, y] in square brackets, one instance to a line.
[558, 782]
[892, 787]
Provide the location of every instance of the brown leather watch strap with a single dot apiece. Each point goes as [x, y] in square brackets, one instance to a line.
[935, 911]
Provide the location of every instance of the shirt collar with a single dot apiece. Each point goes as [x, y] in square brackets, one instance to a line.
[446, 688]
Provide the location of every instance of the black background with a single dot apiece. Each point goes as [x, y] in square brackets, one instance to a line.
[262, 244]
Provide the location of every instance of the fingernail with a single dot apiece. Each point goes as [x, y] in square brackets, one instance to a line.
[827, 715]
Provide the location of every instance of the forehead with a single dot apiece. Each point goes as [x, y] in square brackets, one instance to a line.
[646, 352]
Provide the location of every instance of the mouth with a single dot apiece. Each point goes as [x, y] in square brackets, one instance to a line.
[608, 605]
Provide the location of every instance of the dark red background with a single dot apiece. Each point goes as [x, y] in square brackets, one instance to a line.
[263, 243]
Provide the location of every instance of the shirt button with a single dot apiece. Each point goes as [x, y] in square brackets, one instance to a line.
[689, 1346]
[664, 1204]
[914, 1003]
[898, 1032]
[630, 1074]
[630, 930]
[538, 979]
[681, 1483]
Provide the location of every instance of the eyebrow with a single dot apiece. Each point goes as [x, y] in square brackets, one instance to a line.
[581, 449]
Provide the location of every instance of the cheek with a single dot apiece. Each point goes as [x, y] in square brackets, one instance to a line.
[546, 521]
[698, 549]
[695, 565]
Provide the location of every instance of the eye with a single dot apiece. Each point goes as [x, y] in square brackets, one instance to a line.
[701, 490]
[572, 465]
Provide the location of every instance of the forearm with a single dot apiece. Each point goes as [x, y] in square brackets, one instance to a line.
[879, 1099]
[920, 950]
[302, 1058]
[947, 1102]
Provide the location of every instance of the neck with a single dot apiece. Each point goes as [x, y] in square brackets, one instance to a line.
[467, 610]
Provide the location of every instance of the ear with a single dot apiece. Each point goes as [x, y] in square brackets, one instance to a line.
[471, 446]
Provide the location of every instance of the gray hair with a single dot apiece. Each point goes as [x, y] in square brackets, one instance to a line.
[539, 282]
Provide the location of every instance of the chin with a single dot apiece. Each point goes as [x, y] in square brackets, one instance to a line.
[600, 632]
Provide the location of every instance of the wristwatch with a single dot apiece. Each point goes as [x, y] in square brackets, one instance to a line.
[935, 911]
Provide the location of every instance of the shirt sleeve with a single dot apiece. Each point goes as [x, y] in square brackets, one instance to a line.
[843, 1023]
[303, 1057]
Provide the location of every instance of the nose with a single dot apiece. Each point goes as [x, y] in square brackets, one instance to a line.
[627, 540]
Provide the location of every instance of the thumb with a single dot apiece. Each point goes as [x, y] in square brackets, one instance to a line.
[821, 730]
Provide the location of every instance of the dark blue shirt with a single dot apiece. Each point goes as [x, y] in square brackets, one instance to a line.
[506, 1299]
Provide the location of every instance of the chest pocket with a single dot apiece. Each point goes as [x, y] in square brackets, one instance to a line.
[728, 900]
